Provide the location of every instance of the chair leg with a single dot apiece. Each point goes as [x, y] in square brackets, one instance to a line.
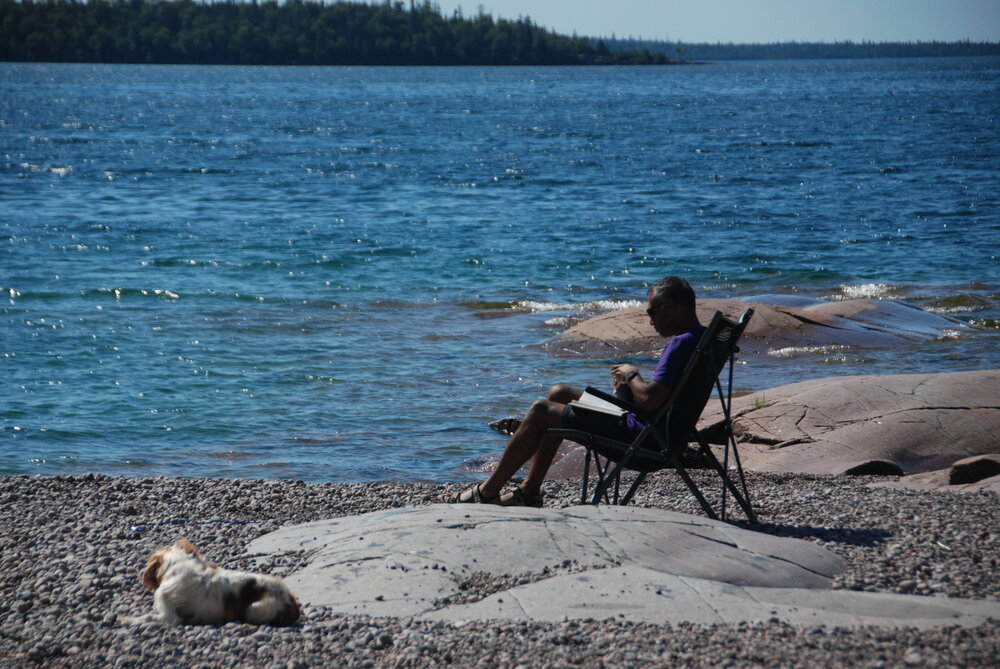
[727, 481]
[743, 478]
[692, 486]
[601, 480]
[726, 400]
[600, 489]
[610, 473]
[632, 488]
[606, 475]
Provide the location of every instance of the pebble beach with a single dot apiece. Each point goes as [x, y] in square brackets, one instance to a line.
[70, 591]
[209, 270]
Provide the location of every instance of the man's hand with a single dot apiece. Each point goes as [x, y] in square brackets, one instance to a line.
[619, 372]
[650, 395]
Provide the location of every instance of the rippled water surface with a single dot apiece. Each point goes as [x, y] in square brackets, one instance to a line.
[344, 273]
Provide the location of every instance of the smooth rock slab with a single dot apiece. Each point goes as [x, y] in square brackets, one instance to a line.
[650, 564]
[645, 595]
[915, 422]
[399, 562]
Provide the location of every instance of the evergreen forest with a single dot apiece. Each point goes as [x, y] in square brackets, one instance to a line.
[313, 32]
[295, 32]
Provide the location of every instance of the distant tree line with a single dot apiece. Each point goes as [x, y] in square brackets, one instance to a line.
[313, 32]
[295, 32]
[804, 50]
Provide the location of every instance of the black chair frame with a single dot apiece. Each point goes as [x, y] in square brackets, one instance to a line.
[653, 450]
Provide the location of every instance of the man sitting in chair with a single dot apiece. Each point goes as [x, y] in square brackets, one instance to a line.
[671, 310]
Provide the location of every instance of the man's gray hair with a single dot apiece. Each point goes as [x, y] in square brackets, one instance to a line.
[673, 289]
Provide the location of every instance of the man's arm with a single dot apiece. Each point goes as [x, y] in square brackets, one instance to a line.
[650, 395]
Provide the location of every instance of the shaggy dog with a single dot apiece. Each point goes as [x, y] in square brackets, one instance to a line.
[189, 590]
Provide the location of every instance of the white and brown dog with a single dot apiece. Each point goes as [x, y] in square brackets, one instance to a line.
[190, 590]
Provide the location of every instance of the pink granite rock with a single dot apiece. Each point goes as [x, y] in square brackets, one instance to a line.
[974, 469]
[869, 323]
[939, 480]
[857, 424]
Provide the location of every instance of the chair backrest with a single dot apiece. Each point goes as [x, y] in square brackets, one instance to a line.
[715, 348]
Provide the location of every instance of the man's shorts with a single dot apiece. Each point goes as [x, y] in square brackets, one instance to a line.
[612, 427]
[597, 422]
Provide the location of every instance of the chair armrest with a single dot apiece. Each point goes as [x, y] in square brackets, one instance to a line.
[617, 401]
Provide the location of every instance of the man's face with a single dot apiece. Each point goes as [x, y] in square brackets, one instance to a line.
[662, 316]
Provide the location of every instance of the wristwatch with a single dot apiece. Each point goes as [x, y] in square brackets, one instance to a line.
[631, 375]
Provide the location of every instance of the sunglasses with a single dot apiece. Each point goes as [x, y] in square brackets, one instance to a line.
[652, 310]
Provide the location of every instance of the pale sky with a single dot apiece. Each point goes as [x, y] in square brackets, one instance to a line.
[755, 20]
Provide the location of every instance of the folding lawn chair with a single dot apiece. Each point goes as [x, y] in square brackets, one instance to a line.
[669, 430]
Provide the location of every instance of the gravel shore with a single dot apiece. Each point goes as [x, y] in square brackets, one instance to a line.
[75, 546]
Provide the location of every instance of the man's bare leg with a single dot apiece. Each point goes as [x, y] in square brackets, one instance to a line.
[530, 441]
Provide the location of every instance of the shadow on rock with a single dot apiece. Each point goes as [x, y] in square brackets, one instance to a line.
[854, 537]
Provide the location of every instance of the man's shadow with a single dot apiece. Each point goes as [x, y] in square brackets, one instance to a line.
[856, 537]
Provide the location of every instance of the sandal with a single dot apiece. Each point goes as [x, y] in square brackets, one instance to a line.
[518, 497]
[471, 496]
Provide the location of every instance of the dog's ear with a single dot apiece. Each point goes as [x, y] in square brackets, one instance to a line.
[151, 574]
[187, 547]
[287, 615]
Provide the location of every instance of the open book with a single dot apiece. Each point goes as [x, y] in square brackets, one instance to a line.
[594, 403]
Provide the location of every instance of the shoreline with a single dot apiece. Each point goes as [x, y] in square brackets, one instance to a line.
[69, 576]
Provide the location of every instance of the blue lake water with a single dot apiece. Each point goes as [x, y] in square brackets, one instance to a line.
[344, 273]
